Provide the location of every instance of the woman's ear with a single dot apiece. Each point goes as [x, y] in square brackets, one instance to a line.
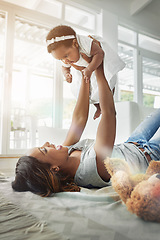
[55, 169]
[75, 43]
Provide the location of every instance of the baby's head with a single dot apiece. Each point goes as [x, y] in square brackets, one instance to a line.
[62, 44]
[60, 31]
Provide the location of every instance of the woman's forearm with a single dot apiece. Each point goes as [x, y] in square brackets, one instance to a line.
[105, 94]
[107, 126]
[82, 106]
[80, 115]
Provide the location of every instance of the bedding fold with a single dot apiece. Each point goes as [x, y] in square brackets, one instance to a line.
[17, 224]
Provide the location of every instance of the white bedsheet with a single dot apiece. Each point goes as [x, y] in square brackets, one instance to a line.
[96, 215]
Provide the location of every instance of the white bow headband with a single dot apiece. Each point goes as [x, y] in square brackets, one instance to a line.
[58, 39]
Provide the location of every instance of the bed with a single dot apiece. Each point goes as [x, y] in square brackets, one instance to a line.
[90, 214]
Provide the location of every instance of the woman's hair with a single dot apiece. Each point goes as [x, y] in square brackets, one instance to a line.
[59, 31]
[37, 177]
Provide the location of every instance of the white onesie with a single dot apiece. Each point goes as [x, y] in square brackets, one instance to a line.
[112, 65]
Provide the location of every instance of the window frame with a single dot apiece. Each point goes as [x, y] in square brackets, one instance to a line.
[12, 11]
[138, 54]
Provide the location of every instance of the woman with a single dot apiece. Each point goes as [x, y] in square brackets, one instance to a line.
[51, 169]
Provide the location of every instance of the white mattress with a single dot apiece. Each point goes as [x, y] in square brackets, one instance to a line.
[96, 215]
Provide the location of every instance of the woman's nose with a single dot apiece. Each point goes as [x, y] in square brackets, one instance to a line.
[46, 144]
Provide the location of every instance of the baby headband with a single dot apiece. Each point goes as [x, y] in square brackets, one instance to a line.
[58, 39]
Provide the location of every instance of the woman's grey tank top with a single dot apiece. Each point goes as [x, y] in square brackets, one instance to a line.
[87, 174]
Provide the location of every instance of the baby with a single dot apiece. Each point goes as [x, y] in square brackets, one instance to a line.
[73, 50]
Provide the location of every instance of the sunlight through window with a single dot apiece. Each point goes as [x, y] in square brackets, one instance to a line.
[32, 84]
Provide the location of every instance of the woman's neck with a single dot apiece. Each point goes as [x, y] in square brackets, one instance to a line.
[72, 163]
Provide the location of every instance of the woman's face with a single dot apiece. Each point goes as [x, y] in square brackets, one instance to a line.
[49, 153]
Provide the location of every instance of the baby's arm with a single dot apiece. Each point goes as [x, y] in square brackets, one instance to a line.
[67, 74]
[97, 54]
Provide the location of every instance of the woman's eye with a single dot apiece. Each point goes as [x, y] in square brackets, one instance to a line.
[44, 150]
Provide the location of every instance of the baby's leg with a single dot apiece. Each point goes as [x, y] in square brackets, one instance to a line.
[98, 111]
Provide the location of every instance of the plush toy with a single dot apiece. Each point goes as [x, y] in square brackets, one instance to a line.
[140, 192]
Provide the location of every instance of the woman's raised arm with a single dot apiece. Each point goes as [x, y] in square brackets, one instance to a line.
[80, 115]
[107, 127]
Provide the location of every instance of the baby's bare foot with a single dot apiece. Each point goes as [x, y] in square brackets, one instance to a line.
[97, 114]
[98, 111]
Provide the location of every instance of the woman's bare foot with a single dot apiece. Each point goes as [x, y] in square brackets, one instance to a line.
[98, 111]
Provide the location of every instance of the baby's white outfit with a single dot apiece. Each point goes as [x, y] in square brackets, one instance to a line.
[112, 65]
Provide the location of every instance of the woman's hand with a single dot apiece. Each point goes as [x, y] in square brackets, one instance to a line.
[95, 40]
[87, 74]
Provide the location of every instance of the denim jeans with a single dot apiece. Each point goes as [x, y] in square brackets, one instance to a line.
[147, 135]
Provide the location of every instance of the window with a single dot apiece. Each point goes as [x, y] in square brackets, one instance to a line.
[126, 35]
[2, 41]
[149, 43]
[151, 83]
[35, 93]
[2, 44]
[69, 102]
[32, 84]
[126, 76]
[140, 80]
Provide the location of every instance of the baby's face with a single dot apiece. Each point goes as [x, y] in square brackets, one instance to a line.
[68, 55]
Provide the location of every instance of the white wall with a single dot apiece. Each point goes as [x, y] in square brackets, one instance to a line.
[129, 116]
[146, 20]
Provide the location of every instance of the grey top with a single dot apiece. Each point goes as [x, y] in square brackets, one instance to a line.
[135, 158]
[87, 174]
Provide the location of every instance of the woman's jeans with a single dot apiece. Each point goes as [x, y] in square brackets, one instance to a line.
[147, 135]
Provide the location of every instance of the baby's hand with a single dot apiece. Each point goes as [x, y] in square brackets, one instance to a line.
[87, 74]
[68, 77]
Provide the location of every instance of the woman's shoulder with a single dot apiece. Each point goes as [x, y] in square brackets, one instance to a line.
[81, 145]
[87, 142]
